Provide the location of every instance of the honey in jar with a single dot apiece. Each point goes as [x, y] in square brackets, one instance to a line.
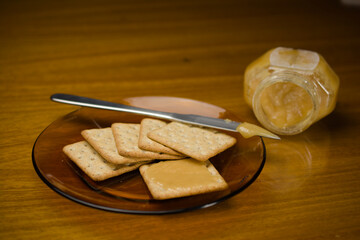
[290, 89]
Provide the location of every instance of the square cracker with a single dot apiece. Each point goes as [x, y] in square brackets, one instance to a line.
[198, 143]
[102, 140]
[147, 125]
[127, 138]
[180, 178]
[91, 163]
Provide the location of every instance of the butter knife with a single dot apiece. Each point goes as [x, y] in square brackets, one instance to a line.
[245, 129]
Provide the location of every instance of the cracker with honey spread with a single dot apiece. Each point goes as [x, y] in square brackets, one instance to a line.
[127, 138]
[91, 163]
[102, 140]
[181, 178]
[196, 142]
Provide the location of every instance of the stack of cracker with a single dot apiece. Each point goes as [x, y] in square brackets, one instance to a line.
[183, 152]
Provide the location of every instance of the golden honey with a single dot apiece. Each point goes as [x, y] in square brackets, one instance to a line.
[290, 89]
[172, 175]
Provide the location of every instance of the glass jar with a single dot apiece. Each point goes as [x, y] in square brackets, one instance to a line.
[290, 89]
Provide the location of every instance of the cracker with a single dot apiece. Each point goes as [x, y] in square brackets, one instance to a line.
[102, 140]
[198, 143]
[181, 178]
[127, 138]
[91, 163]
[147, 125]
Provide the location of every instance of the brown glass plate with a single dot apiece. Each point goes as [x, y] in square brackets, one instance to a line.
[239, 165]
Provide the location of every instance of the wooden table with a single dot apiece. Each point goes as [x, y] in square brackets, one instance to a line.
[310, 185]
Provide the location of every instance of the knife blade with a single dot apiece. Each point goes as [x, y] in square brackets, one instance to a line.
[223, 124]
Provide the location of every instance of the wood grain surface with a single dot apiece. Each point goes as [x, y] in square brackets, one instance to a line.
[111, 50]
